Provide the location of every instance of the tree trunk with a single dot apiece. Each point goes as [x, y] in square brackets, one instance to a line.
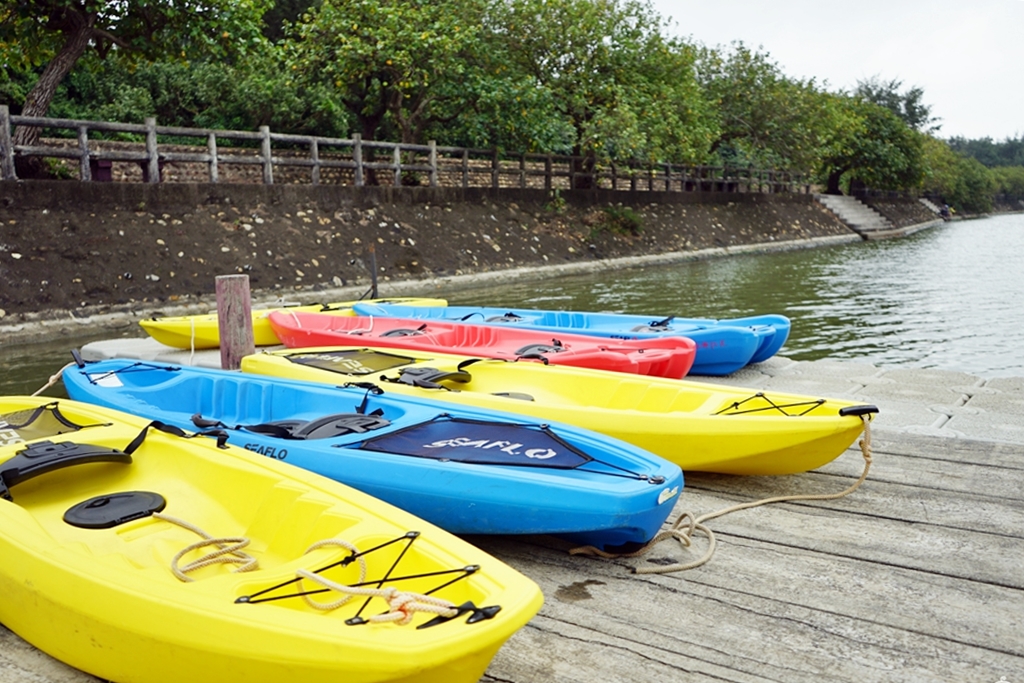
[38, 100]
[833, 181]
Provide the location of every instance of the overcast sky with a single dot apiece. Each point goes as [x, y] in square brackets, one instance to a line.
[967, 55]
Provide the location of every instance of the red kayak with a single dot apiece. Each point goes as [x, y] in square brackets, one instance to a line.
[660, 357]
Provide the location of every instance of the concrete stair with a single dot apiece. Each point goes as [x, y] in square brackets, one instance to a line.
[932, 206]
[860, 217]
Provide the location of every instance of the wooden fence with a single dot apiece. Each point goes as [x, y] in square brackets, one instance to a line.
[267, 157]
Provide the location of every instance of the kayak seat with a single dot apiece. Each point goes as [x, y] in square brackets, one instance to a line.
[430, 378]
[533, 349]
[663, 325]
[337, 425]
[404, 332]
[324, 427]
[506, 318]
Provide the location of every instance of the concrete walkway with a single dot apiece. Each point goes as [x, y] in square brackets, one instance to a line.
[914, 577]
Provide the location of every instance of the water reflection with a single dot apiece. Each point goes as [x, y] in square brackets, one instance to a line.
[944, 298]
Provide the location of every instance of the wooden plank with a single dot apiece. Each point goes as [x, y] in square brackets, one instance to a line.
[765, 614]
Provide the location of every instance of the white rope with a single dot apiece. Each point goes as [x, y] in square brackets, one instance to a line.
[53, 379]
[228, 550]
[686, 524]
[403, 605]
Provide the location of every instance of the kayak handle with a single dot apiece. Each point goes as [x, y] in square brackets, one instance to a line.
[864, 409]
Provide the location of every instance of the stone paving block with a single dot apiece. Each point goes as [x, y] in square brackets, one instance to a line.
[813, 386]
[899, 415]
[918, 393]
[988, 427]
[1006, 403]
[932, 377]
[833, 368]
[773, 366]
[1015, 384]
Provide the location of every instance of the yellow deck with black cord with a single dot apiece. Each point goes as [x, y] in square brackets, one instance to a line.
[136, 552]
[203, 331]
[699, 426]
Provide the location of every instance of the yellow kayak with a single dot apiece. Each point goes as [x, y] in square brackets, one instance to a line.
[135, 553]
[699, 426]
[202, 331]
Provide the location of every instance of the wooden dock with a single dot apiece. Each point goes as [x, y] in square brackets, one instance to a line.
[916, 576]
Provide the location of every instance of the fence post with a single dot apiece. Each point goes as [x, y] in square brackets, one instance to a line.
[397, 162]
[268, 162]
[433, 162]
[357, 157]
[7, 171]
[547, 173]
[522, 169]
[668, 177]
[465, 168]
[211, 150]
[85, 172]
[495, 166]
[314, 155]
[153, 158]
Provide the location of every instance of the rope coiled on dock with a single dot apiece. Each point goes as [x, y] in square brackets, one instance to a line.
[686, 524]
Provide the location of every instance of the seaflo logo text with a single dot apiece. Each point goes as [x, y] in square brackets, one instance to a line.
[8, 434]
[508, 447]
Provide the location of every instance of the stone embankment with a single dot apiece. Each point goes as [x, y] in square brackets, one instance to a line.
[90, 251]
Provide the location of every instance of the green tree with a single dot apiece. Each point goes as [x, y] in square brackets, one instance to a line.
[909, 105]
[1009, 152]
[57, 33]
[872, 146]
[763, 117]
[961, 181]
[203, 94]
[620, 84]
[408, 64]
[1009, 180]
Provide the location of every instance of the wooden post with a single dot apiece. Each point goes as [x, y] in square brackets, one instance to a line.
[7, 171]
[522, 169]
[495, 166]
[397, 162]
[84, 169]
[234, 320]
[153, 165]
[357, 157]
[433, 163]
[547, 173]
[314, 155]
[211, 149]
[465, 168]
[265, 153]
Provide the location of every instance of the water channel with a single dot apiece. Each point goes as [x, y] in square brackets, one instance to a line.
[951, 297]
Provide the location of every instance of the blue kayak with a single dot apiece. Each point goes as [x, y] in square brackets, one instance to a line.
[467, 470]
[723, 346]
